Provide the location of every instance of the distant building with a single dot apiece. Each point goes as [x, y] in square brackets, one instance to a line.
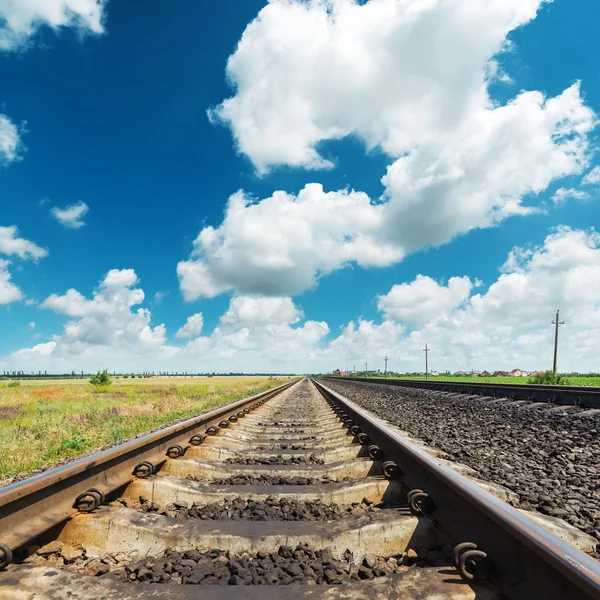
[500, 373]
[518, 373]
[336, 372]
[343, 374]
[434, 374]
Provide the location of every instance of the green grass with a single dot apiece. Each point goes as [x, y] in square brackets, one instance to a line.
[584, 381]
[42, 422]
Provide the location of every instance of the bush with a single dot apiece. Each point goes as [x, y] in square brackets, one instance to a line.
[101, 378]
[14, 384]
[549, 378]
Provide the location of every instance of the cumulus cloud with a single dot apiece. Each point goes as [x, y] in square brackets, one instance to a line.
[424, 299]
[10, 141]
[107, 319]
[248, 311]
[564, 194]
[592, 177]
[12, 244]
[20, 19]
[279, 246]
[107, 331]
[71, 216]
[407, 77]
[466, 325]
[399, 74]
[508, 326]
[9, 292]
[192, 327]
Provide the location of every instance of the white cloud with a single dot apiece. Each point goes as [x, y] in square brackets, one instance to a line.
[11, 244]
[507, 326]
[408, 77]
[192, 327]
[106, 331]
[10, 141]
[9, 292]
[36, 352]
[32, 325]
[424, 299]
[248, 311]
[71, 216]
[20, 19]
[365, 341]
[279, 246]
[592, 177]
[107, 319]
[564, 194]
[399, 74]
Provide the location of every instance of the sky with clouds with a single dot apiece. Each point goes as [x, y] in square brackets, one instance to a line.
[298, 185]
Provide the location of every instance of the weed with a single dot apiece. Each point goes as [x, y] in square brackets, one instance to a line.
[40, 425]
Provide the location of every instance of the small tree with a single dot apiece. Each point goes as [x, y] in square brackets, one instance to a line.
[549, 378]
[101, 378]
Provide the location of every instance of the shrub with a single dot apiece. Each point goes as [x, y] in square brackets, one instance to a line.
[549, 378]
[14, 384]
[101, 378]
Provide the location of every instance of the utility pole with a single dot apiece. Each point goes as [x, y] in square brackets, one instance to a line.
[385, 372]
[366, 369]
[557, 323]
[426, 350]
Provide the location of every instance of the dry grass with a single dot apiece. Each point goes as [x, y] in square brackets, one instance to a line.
[44, 421]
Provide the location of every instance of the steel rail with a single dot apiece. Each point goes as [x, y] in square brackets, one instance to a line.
[587, 397]
[528, 560]
[35, 505]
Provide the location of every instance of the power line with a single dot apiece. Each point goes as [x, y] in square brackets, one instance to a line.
[557, 323]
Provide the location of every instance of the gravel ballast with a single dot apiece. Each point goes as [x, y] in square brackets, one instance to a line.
[550, 459]
[277, 460]
[288, 565]
[274, 480]
[240, 509]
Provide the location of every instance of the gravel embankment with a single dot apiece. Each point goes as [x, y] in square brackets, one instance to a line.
[288, 565]
[277, 460]
[240, 509]
[551, 460]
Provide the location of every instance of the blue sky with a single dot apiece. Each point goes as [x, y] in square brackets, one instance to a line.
[479, 127]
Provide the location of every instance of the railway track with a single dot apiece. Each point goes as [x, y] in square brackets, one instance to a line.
[584, 400]
[297, 485]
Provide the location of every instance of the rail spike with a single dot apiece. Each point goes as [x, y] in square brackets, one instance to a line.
[89, 500]
[375, 452]
[363, 438]
[472, 563]
[144, 469]
[420, 502]
[175, 451]
[6, 556]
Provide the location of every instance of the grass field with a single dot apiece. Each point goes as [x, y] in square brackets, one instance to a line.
[588, 381]
[44, 421]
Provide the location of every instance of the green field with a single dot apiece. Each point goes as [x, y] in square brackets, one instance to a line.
[575, 380]
[44, 421]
